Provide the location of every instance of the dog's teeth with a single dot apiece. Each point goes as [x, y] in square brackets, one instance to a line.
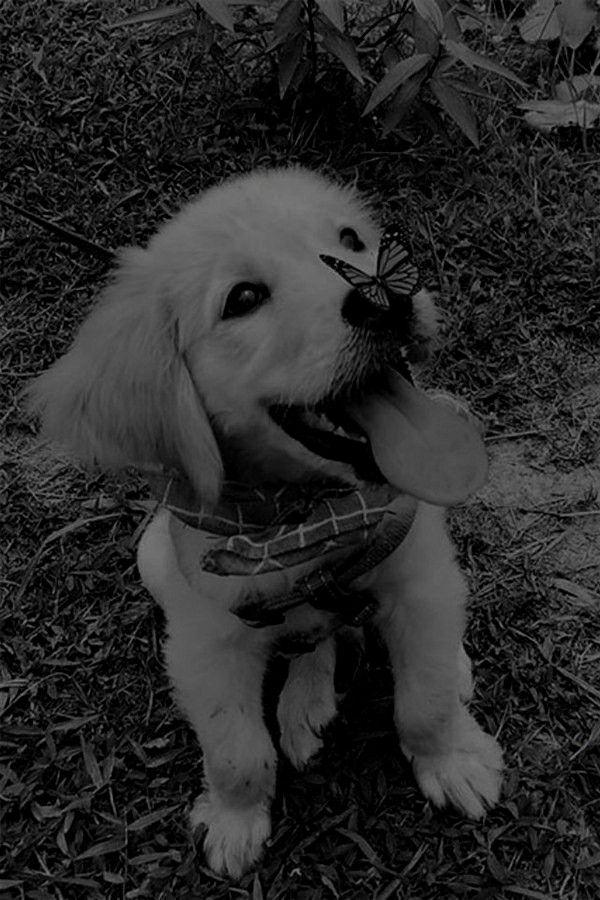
[319, 421]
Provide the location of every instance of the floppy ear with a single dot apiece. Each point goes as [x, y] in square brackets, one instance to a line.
[123, 394]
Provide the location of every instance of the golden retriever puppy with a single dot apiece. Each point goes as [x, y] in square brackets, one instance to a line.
[235, 364]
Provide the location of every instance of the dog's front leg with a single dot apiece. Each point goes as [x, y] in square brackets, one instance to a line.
[307, 703]
[422, 593]
[216, 666]
[219, 686]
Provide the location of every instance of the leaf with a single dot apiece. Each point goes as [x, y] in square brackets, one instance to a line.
[72, 724]
[472, 59]
[425, 38]
[362, 844]
[91, 764]
[113, 877]
[334, 10]
[577, 18]
[289, 59]
[110, 846]
[171, 40]
[541, 22]
[454, 104]
[151, 818]
[397, 75]
[300, 74]
[569, 20]
[45, 812]
[586, 86]
[108, 766]
[576, 592]
[466, 86]
[147, 16]
[218, 11]
[444, 63]
[402, 102]
[257, 891]
[288, 22]
[546, 115]
[430, 11]
[451, 26]
[340, 46]
[36, 64]
[496, 869]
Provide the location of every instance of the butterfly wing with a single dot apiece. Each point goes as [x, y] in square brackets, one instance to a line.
[396, 267]
[394, 248]
[356, 277]
[376, 293]
[371, 287]
[403, 280]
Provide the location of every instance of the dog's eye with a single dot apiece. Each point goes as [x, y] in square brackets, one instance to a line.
[243, 298]
[350, 240]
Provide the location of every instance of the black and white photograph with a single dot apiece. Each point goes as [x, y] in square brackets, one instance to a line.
[300, 449]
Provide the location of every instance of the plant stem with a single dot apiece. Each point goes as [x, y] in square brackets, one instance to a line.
[312, 41]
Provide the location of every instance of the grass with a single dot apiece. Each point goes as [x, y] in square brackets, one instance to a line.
[97, 767]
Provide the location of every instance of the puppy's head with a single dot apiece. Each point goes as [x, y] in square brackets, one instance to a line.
[228, 344]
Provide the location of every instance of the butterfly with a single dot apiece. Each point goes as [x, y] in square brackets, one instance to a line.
[397, 273]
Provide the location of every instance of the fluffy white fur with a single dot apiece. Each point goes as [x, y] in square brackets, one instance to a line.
[156, 376]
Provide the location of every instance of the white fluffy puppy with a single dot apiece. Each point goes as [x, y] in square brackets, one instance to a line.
[222, 353]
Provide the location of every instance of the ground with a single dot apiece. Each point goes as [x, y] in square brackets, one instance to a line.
[542, 492]
[97, 768]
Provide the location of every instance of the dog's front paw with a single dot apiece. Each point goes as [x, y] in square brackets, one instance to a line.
[467, 775]
[300, 739]
[303, 714]
[234, 838]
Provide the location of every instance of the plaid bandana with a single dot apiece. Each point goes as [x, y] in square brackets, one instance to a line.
[260, 530]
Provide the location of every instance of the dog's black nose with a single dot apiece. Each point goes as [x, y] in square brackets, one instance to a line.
[360, 312]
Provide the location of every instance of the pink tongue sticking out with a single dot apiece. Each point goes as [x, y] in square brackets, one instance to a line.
[422, 446]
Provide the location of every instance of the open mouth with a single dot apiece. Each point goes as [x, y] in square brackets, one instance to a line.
[328, 431]
[390, 431]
